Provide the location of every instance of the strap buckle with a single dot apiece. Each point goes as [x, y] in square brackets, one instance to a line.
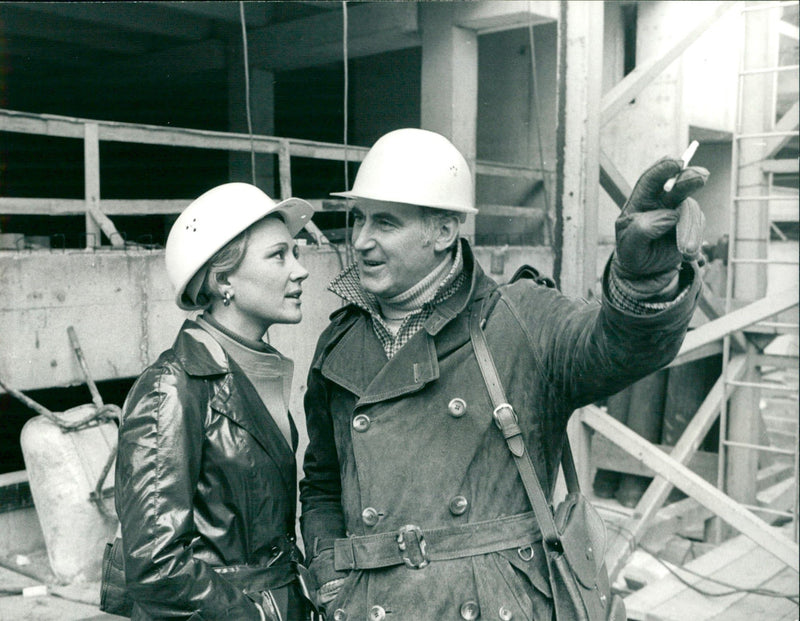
[504, 416]
[410, 539]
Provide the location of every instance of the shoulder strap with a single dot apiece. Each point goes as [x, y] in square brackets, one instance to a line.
[506, 420]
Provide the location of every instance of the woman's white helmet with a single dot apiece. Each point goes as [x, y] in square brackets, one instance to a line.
[417, 167]
[211, 221]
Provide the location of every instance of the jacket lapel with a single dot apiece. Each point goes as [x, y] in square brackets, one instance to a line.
[237, 399]
[234, 397]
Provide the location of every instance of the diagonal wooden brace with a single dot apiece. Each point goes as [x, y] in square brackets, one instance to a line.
[694, 486]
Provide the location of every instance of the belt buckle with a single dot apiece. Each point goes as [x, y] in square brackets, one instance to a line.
[504, 415]
[412, 534]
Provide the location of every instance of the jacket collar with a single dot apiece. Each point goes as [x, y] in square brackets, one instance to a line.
[370, 376]
[198, 351]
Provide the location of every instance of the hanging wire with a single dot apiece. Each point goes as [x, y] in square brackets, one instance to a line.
[247, 93]
[347, 246]
[538, 120]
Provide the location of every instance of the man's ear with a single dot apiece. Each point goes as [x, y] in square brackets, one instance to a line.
[446, 234]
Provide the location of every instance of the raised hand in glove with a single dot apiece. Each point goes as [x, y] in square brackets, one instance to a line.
[648, 256]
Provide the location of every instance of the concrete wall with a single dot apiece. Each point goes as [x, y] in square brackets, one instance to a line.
[120, 304]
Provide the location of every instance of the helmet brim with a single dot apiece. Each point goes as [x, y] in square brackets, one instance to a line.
[352, 195]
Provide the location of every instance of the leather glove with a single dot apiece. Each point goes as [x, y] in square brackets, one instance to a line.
[647, 258]
[324, 574]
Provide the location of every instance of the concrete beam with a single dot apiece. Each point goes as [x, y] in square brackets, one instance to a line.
[372, 28]
[25, 22]
[496, 15]
[153, 18]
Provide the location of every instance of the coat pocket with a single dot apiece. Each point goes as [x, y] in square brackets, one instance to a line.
[506, 591]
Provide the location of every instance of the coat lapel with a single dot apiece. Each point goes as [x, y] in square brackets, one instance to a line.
[235, 396]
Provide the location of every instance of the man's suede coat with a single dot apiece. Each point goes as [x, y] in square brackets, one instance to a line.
[554, 354]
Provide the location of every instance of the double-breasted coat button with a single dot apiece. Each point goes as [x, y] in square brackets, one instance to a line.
[376, 613]
[339, 615]
[369, 516]
[470, 610]
[457, 407]
[505, 614]
[458, 505]
[361, 423]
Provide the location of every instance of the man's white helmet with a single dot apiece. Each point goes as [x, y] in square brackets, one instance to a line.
[418, 167]
[211, 221]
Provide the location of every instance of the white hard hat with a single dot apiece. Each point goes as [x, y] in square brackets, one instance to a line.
[418, 167]
[215, 218]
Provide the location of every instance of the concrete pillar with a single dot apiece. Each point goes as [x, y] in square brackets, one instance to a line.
[449, 98]
[577, 145]
[262, 116]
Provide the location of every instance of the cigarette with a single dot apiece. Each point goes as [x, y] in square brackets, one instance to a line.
[685, 158]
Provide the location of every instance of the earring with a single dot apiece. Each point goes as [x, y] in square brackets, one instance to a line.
[226, 298]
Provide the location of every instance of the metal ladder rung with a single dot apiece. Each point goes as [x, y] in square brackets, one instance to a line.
[758, 447]
[763, 385]
[767, 6]
[762, 70]
[767, 197]
[756, 508]
[770, 261]
[772, 134]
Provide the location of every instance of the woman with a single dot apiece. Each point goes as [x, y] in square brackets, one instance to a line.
[205, 479]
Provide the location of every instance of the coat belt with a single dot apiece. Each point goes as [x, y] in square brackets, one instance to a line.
[256, 578]
[415, 547]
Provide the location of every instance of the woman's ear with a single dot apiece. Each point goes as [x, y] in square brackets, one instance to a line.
[446, 234]
[218, 283]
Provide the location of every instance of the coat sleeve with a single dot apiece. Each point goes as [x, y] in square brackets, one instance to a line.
[589, 350]
[322, 518]
[158, 466]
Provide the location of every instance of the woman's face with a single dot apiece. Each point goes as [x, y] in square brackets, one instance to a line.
[267, 284]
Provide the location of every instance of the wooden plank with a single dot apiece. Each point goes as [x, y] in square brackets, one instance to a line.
[618, 97]
[578, 146]
[692, 485]
[499, 169]
[70, 127]
[613, 181]
[76, 206]
[608, 456]
[704, 351]
[534, 213]
[781, 167]
[754, 607]
[659, 489]
[739, 319]
[644, 601]
[741, 565]
[91, 174]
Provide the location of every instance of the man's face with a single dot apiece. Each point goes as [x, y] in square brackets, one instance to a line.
[394, 245]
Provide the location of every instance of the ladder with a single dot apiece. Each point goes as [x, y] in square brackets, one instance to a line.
[762, 263]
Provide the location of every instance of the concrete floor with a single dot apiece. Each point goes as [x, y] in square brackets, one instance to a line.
[68, 603]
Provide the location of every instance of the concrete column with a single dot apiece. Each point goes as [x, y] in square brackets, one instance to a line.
[577, 145]
[449, 98]
[262, 115]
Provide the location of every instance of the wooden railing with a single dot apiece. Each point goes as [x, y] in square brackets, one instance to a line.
[98, 210]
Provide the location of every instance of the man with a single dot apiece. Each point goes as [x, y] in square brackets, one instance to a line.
[412, 506]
